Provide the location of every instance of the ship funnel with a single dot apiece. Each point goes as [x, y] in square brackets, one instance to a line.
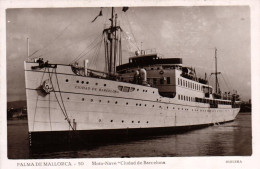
[86, 67]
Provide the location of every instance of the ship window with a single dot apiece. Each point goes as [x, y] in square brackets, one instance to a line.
[126, 89]
[111, 120]
[105, 84]
[87, 82]
[153, 105]
[136, 104]
[137, 89]
[152, 68]
[147, 122]
[161, 81]
[68, 98]
[132, 89]
[138, 121]
[108, 101]
[82, 82]
[154, 81]
[77, 81]
[145, 105]
[100, 101]
[116, 102]
[67, 80]
[99, 120]
[83, 99]
[122, 121]
[96, 83]
[91, 100]
[168, 80]
[132, 121]
[126, 103]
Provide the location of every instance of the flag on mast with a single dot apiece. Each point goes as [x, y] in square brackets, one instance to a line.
[100, 14]
[125, 9]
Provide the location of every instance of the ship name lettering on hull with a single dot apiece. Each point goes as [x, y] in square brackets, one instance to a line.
[96, 89]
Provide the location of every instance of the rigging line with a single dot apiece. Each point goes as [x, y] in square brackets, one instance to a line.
[37, 99]
[69, 45]
[95, 56]
[50, 101]
[98, 51]
[92, 43]
[51, 41]
[224, 70]
[226, 82]
[91, 50]
[94, 47]
[128, 44]
[63, 111]
[131, 30]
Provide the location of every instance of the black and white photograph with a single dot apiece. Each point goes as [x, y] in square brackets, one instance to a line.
[128, 85]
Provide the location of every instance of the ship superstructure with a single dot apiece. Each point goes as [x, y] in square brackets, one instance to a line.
[149, 94]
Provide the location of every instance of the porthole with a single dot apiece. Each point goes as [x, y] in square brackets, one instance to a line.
[83, 99]
[153, 105]
[126, 103]
[108, 101]
[116, 102]
[132, 121]
[147, 122]
[99, 101]
[91, 100]
[138, 121]
[137, 89]
[87, 82]
[173, 108]
[82, 82]
[140, 104]
[105, 84]
[136, 104]
[68, 98]
[111, 120]
[77, 81]
[67, 80]
[99, 120]
[153, 91]
[96, 83]
[122, 121]
[167, 107]
[145, 105]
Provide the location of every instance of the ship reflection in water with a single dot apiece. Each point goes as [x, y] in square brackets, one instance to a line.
[218, 140]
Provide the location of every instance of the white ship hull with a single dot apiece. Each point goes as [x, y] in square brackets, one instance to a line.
[95, 104]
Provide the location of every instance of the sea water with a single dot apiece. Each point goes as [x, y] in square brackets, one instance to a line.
[229, 139]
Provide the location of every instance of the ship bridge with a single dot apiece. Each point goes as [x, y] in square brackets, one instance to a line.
[145, 59]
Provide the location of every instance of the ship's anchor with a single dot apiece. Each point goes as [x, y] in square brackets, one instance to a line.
[46, 86]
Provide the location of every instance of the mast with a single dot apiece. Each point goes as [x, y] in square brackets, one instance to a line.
[216, 74]
[111, 44]
[216, 70]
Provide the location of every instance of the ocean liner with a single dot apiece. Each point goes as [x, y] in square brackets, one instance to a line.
[147, 95]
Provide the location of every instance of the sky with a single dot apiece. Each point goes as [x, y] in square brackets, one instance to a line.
[60, 35]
